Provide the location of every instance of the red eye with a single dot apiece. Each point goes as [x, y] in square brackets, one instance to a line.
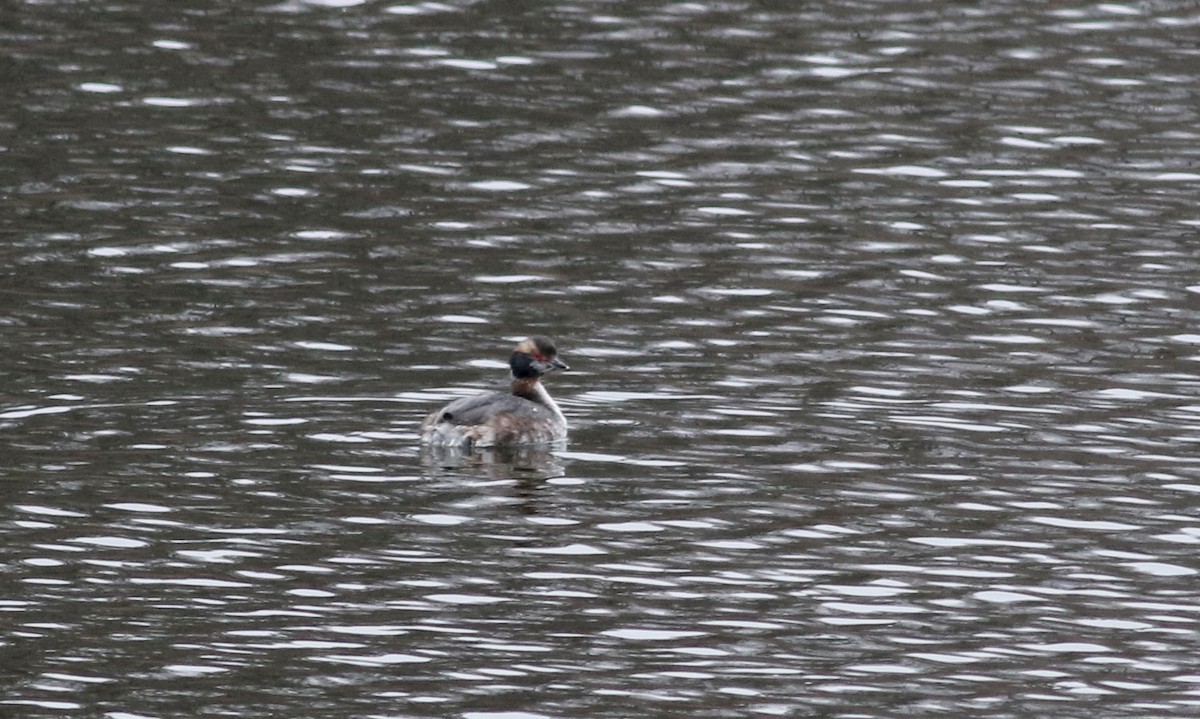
[537, 356]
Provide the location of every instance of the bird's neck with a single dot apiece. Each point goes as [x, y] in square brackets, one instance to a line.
[531, 388]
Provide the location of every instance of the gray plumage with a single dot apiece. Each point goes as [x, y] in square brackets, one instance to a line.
[479, 408]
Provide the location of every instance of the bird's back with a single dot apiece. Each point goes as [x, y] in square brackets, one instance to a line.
[484, 420]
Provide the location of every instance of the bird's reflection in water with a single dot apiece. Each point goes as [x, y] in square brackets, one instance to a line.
[528, 466]
[516, 462]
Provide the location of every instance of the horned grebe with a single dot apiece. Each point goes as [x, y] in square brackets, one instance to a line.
[527, 415]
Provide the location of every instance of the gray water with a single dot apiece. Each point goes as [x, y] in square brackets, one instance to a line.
[882, 320]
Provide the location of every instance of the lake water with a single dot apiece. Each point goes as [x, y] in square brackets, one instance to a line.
[883, 320]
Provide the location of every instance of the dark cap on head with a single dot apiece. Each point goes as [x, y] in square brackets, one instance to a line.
[535, 357]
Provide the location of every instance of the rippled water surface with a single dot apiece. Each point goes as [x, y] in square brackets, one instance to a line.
[882, 318]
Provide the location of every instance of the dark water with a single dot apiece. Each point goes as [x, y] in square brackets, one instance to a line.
[883, 322]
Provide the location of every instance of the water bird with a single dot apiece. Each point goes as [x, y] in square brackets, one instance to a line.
[527, 414]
